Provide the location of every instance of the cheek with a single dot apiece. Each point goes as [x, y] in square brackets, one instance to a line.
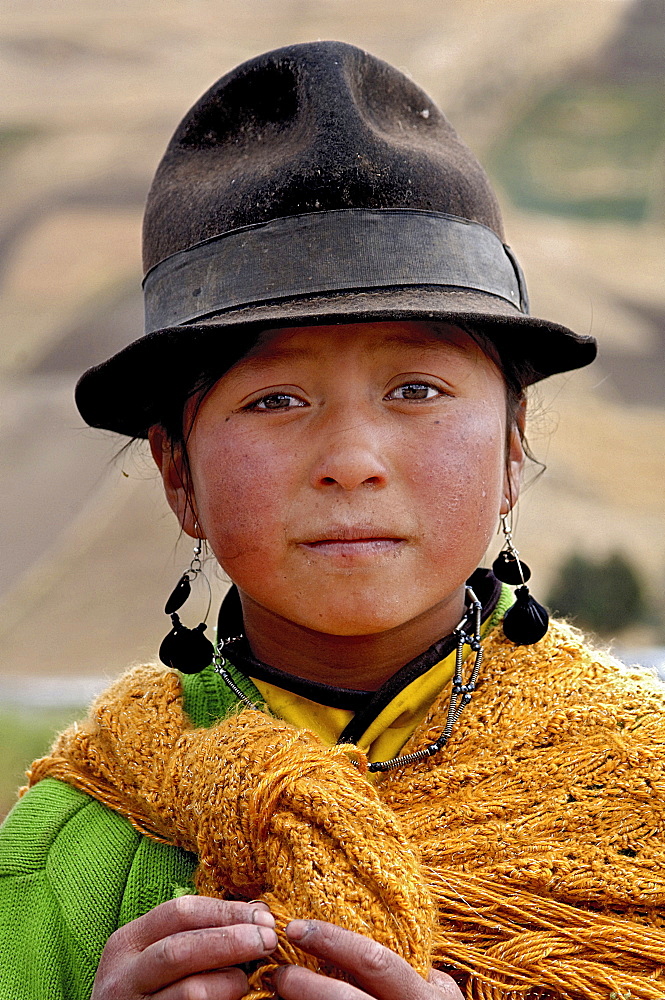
[239, 489]
[457, 474]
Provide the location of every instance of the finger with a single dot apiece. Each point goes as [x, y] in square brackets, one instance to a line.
[212, 948]
[293, 983]
[191, 913]
[446, 985]
[378, 970]
[225, 984]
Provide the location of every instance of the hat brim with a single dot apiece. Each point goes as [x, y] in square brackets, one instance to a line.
[132, 390]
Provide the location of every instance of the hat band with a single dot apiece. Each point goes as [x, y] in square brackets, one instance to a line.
[323, 252]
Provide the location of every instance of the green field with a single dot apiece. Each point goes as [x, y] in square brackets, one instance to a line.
[24, 735]
[588, 151]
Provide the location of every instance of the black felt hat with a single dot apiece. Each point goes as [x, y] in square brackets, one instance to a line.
[314, 184]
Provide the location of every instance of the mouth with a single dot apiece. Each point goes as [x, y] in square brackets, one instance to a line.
[348, 541]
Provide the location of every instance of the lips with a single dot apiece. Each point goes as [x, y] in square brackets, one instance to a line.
[358, 533]
[358, 541]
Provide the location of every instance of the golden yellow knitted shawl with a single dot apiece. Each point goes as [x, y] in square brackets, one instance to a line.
[529, 856]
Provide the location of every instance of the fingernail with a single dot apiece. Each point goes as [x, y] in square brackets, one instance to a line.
[263, 917]
[297, 929]
[268, 937]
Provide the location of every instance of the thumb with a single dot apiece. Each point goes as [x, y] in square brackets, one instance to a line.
[445, 985]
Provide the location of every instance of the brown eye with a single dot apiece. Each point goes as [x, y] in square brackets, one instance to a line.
[276, 401]
[414, 390]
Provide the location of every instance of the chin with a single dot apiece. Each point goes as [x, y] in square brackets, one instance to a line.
[358, 618]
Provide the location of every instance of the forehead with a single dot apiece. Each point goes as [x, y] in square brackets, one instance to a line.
[368, 339]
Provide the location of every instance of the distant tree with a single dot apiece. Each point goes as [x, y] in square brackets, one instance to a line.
[605, 596]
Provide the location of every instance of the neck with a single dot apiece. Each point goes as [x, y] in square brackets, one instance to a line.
[359, 662]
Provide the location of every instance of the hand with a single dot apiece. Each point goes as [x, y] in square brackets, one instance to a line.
[185, 948]
[378, 972]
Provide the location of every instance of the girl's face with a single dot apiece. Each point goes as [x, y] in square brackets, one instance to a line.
[349, 478]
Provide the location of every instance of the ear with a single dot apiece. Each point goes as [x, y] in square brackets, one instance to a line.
[515, 459]
[176, 479]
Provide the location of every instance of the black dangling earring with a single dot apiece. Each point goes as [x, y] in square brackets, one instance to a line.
[527, 621]
[186, 649]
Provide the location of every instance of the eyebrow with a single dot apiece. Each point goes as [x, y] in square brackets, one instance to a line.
[411, 341]
[275, 356]
[271, 357]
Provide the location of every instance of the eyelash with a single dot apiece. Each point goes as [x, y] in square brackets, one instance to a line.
[415, 385]
[257, 407]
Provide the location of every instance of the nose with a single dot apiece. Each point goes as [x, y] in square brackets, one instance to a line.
[351, 457]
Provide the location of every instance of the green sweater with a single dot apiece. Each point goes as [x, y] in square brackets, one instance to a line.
[72, 872]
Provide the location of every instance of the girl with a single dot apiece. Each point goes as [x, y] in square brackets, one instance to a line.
[384, 780]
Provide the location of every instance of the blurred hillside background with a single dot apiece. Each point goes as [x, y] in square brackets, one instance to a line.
[562, 100]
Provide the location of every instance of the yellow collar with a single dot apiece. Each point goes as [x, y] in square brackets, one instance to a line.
[387, 733]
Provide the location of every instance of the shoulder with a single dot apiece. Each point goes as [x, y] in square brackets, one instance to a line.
[54, 820]
[89, 853]
[564, 691]
[565, 666]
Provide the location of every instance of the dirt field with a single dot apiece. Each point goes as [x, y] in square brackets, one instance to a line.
[91, 94]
